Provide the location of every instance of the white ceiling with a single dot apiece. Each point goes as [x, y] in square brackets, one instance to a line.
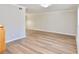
[36, 8]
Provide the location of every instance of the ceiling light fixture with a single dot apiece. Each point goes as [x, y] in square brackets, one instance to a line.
[45, 5]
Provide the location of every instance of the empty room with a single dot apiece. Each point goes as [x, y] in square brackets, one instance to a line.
[39, 29]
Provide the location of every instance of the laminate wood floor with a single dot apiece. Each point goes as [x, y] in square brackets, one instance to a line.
[38, 42]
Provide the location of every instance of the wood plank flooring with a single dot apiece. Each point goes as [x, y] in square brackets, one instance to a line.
[38, 42]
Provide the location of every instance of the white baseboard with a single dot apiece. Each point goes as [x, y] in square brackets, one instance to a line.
[54, 32]
[15, 39]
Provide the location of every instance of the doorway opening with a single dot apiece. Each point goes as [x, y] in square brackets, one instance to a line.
[53, 31]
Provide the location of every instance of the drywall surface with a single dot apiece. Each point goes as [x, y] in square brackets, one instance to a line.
[64, 21]
[13, 20]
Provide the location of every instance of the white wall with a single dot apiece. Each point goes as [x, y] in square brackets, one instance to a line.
[13, 20]
[77, 40]
[64, 21]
